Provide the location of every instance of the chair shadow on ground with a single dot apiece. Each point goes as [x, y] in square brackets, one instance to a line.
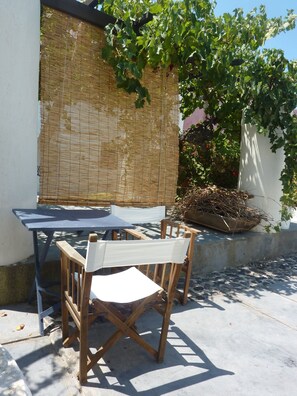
[128, 369]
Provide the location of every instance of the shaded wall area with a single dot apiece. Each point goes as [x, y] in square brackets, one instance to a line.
[19, 69]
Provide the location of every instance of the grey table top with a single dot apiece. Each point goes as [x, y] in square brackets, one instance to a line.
[69, 219]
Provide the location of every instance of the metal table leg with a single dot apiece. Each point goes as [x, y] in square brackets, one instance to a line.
[39, 261]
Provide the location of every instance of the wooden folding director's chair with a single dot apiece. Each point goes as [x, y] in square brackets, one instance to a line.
[169, 229]
[107, 294]
[172, 229]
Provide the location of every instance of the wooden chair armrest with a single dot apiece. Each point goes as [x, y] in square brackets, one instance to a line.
[71, 253]
[136, 234]
[172, 223]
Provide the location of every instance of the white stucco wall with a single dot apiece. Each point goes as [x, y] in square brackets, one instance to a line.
[19, 69]
[259, 174]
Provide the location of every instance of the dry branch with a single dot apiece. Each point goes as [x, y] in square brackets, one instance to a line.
[220, 201]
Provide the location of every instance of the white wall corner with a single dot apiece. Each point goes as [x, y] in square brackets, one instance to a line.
[19, 75]
[259, 174]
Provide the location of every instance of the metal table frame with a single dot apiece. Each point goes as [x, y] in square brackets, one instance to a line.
[50, 221]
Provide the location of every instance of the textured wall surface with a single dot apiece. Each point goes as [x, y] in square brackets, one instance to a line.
[19, 70]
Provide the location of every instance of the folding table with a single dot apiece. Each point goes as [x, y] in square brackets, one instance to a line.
[50, 221]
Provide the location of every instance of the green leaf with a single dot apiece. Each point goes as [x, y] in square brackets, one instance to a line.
[156, 8]
[208, 51]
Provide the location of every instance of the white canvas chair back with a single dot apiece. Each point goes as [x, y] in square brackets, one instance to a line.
[139, 215]
[106, 254]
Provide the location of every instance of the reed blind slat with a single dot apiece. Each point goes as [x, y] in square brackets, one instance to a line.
[95, 147]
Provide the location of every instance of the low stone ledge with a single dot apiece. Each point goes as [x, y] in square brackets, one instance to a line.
[215, 251]
[16, 280]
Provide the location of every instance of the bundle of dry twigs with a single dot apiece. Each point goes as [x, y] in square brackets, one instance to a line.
[216, 200]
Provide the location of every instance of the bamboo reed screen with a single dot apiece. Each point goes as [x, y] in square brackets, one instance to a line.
[95, 146]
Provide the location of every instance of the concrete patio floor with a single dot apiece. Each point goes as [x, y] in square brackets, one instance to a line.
[242, 343]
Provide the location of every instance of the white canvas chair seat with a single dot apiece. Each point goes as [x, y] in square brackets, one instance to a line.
[123, 287]
[85, 296]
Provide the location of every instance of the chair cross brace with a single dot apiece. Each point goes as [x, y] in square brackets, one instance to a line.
[125, 328]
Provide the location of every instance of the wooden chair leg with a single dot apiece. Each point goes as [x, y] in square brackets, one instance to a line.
[184, 297]
[164, 333]
[167, 313]
[65, 320]
[83, 352]
[64, 310]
